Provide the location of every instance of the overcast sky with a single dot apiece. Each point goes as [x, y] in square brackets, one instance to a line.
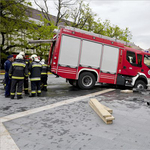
[134, 14]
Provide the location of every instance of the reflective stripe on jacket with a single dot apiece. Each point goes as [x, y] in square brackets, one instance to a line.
[18, 70]
[44, 69]
[35, 69]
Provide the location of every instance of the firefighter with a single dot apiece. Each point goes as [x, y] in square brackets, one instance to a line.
[44, 75]
[17, 72]
[35, 69]
[7, 65]
[26, 78]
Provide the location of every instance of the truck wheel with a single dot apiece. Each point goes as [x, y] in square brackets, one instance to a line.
[86, 80]
[140, 85]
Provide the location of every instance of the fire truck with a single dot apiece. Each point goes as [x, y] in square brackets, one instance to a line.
[86, 58]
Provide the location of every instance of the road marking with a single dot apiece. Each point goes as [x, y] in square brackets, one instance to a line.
[7, 143]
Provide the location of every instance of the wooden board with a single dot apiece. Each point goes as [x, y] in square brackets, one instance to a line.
[106, 121]
[101, 111]
[105, 107]
[126, 91]
[98, 106]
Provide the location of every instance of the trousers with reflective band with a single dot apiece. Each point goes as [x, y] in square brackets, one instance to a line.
[16, 84]
[14, 77]
[35, 86]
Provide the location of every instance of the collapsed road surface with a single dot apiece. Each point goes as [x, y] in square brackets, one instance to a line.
[66, 125]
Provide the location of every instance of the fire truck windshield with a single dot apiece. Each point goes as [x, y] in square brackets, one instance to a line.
[147, 60]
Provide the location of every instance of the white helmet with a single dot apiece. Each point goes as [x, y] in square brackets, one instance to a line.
[19, 56]
[22, 53]
[42, 61]
[34, 58]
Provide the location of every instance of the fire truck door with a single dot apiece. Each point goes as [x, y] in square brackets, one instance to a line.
[109, 64]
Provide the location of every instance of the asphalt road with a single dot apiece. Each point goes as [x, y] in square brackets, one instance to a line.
[61, 119]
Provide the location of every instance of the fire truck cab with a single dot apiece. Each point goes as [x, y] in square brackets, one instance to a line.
[84, 58]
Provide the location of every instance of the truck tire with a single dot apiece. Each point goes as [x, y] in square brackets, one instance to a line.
[86, 80]
[140, 85]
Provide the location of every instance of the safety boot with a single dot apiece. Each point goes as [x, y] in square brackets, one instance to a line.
[32, 95]
[12, 97]
[26, 92]
[19, 97]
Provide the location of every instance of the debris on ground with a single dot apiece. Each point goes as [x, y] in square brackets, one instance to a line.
[103, 112]
[142, 91]
[127, 91]
[148, 103]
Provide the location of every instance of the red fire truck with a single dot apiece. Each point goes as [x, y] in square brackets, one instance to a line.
[84, 58]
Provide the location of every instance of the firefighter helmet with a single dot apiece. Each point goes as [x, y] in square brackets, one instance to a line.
[42, 61]
[34, 58]
[19, 56]
[22, 53]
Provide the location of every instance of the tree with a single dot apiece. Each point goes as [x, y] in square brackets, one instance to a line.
[99, 27]
[41, 31]
[13, 18]
[114, 31]
[45, 11]
[16, 29]
[62, 7]
[82, 17]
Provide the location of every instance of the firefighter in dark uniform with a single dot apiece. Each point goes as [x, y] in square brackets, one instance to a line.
[35, 69]
[17, 72]
[7, 66]
[44, 75]
[26, 78]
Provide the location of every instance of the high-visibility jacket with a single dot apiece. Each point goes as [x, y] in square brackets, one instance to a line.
[27, 62]
[35, 69]
[44, 69]
[18, 69]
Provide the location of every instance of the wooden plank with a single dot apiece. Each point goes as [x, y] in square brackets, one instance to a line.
[99, 111]
[126, 91]
[98, 106]
[105, 107]
[110, 118]
[107, 120]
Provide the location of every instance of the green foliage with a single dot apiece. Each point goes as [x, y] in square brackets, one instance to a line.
[84, 18]
[12, 16]
[16, 29]
[44, 30]
[114, 31]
